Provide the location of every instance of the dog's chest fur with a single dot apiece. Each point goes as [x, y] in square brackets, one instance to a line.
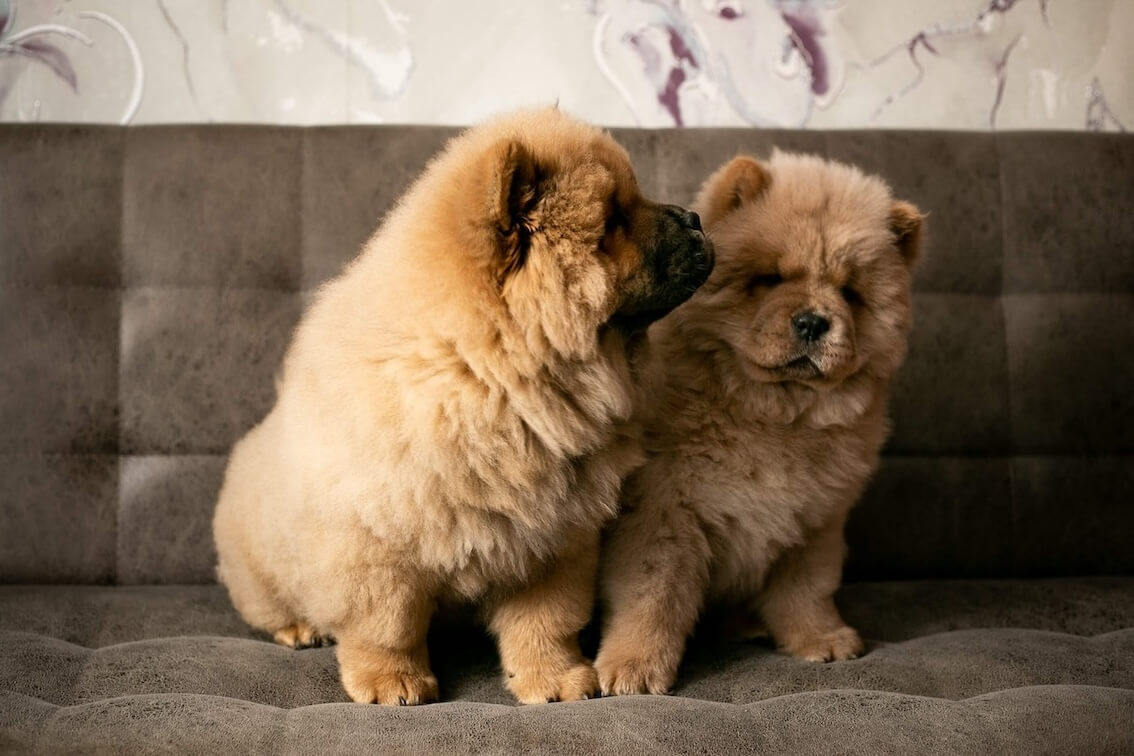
[476, 489]
[759, 486]
[788, 482]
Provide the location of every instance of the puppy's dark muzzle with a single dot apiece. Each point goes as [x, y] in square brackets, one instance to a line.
[676, 259]
[690, 260]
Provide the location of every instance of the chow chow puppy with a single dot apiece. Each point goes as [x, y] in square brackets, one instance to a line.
[768, 409]
[451, 420]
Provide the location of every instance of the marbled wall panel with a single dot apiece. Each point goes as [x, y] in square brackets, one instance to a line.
[963, 64]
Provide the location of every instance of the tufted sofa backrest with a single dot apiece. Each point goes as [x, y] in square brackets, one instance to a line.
[150, 278]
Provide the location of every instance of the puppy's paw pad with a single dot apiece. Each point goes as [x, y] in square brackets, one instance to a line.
[301, 635]
[633, 676]
[838, 645]
[576, 683]
[391, 688]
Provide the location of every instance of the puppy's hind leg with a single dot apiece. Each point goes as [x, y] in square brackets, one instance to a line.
[798, 603]
[655, 574]
[301, 635]
[243, 561]
[259, 603]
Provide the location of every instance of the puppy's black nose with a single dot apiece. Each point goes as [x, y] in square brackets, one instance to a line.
[692, 220]
[810, 326]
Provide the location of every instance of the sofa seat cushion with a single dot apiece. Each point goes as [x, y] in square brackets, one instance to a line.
[1010, 666]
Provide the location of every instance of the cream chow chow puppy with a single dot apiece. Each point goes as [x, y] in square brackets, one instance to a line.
[768, 410]
[451, 414]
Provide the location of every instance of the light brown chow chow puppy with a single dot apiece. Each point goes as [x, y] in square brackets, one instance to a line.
[451, 414]
[768, 409]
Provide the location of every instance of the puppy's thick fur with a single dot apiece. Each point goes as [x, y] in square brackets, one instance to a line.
[450, 421]
[768, 410]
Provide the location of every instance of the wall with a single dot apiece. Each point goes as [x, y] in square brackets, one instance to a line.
[961, 64]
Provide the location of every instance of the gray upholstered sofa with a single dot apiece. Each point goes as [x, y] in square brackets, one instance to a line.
[149, 278]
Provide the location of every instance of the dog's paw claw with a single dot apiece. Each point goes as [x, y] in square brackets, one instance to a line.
[391, 688]
[841, 644]
[573, 684]
[630, 676]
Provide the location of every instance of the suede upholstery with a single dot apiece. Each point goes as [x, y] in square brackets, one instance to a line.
[149, 281]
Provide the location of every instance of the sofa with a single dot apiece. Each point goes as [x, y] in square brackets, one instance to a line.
[149, 281]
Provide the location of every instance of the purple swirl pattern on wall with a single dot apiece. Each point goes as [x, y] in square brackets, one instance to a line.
[971, 64]
[31, 43]
[806, 30]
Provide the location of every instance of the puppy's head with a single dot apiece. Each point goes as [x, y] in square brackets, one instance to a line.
[812, 283]
[565, 236]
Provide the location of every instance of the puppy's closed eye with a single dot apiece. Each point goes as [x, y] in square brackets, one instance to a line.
[615, 218]
[850, 296]
[765, 281]
[616, 221]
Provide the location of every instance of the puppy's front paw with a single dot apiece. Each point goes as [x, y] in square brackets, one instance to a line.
[534, 686]
[837, 645]
[624, 675]
[390, 688]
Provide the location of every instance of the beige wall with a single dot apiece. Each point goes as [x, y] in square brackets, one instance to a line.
[964, 64]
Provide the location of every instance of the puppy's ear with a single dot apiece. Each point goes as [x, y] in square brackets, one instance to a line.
[907, 223]
[740, 180]
[514, 185]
